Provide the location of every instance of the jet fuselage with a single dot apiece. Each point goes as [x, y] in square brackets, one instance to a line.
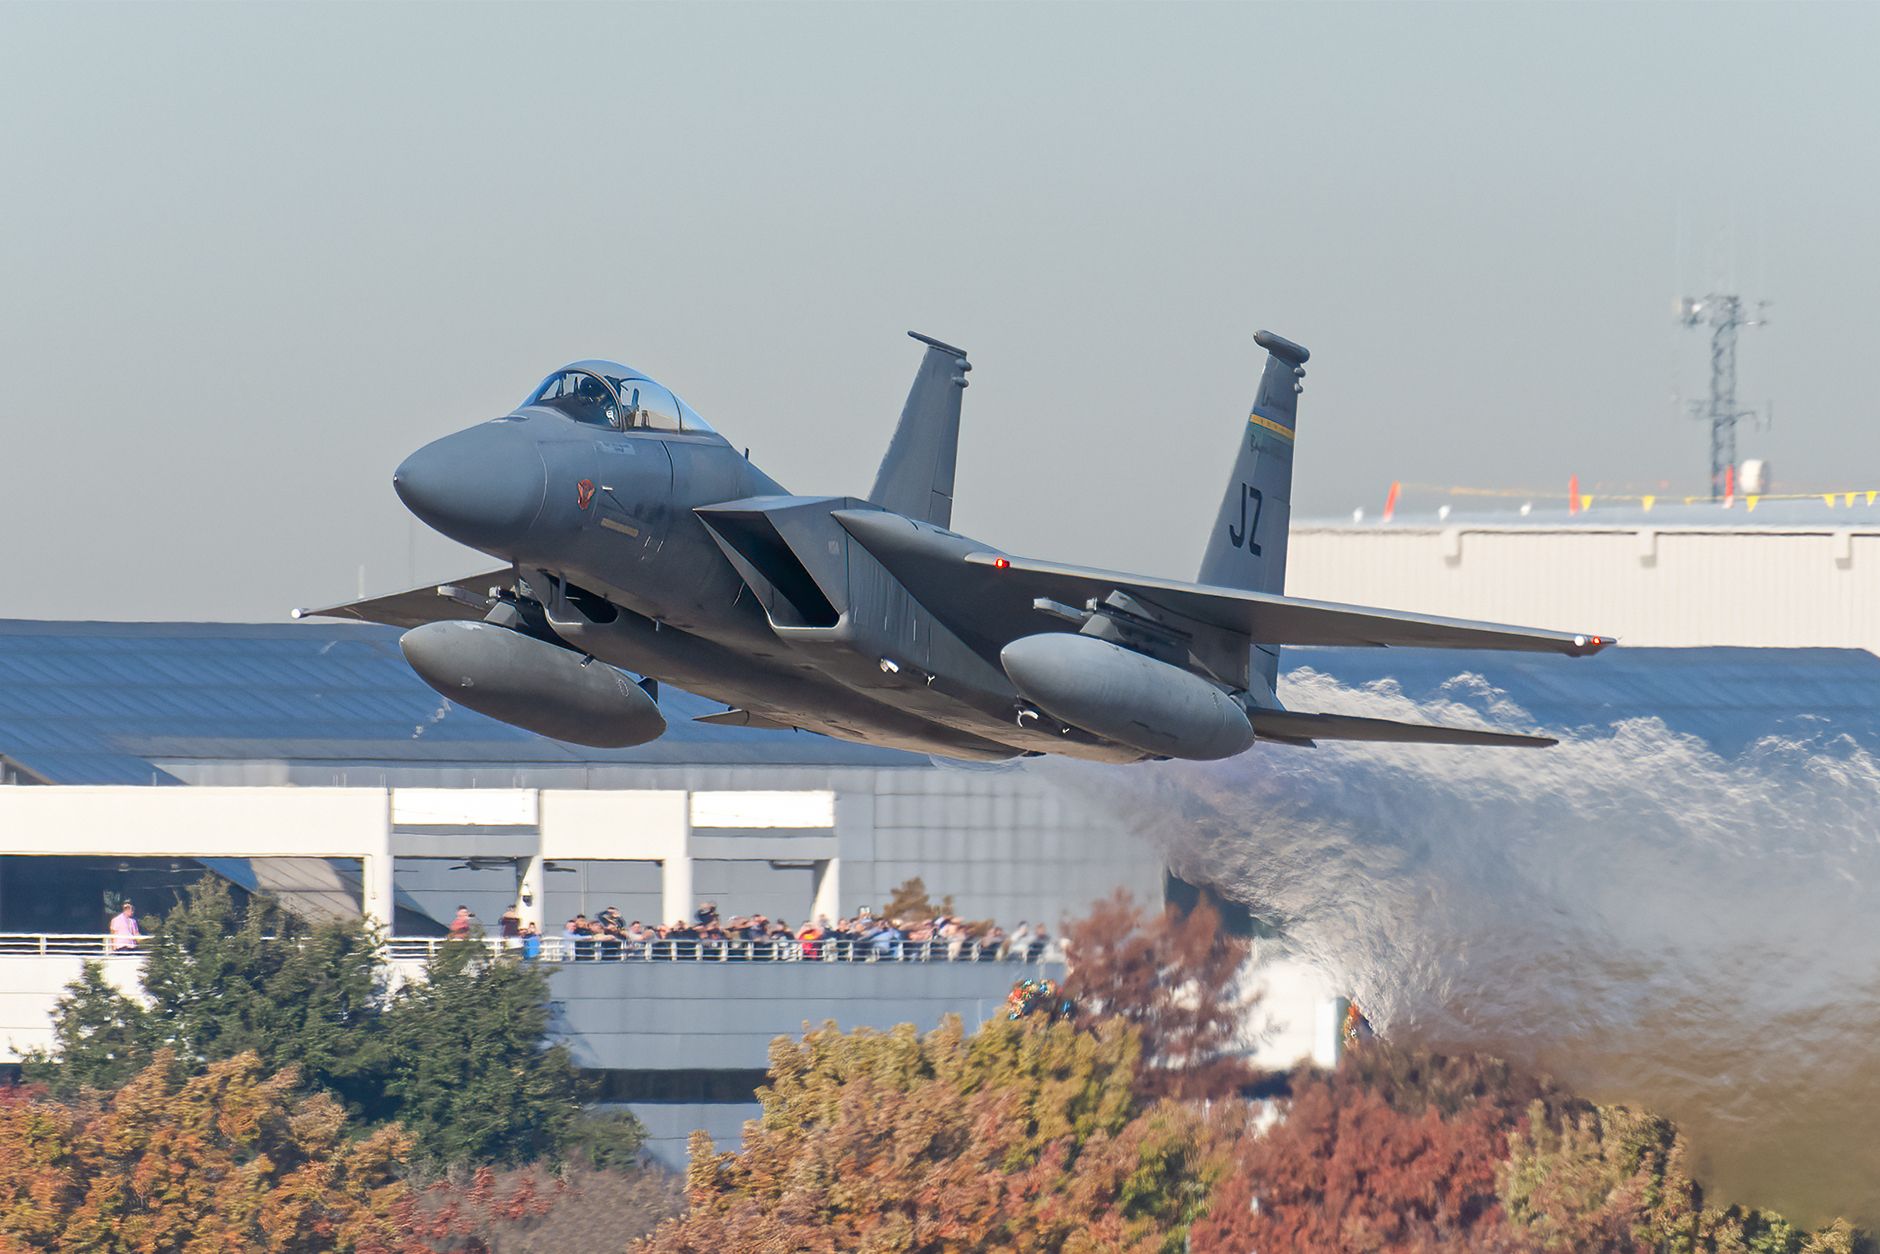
[605, 526]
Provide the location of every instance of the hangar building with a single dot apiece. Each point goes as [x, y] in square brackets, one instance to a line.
[1761, 574]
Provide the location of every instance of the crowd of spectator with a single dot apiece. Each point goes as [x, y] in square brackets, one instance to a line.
[863, 937]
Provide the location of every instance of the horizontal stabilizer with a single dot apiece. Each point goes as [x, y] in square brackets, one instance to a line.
[742, 718]
[466, 600]
[1294, 726]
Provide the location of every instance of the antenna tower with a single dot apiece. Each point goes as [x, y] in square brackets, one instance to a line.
[1724, 316]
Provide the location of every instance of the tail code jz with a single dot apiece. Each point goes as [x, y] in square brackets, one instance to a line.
[1243, 535]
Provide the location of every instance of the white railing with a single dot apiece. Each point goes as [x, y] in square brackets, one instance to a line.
[782, 949]
[600, 949]
[83, 944]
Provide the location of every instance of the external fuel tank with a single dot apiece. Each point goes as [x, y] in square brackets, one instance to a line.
[532, 684]
[1125, 696]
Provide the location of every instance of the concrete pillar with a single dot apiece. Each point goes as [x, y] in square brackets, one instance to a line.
[1328, 1035]
[376, 896]
[532, 889]
[855, 845]
[675, 887]
[828, 899]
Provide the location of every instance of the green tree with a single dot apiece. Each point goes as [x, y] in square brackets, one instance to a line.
[459, 1058]
[225, 980]
[101, 1038]
[469, 1075]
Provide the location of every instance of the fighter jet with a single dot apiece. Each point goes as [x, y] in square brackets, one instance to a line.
[636, 541]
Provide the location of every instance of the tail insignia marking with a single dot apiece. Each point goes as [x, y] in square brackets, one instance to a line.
[1270, 425]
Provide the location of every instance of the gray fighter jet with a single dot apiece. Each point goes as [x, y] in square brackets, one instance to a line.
[636, 539]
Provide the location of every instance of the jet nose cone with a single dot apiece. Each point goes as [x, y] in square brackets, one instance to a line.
[482, 487]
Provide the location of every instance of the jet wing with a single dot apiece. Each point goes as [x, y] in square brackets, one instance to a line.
[1268, 618]
[467, 599]
[990, 599]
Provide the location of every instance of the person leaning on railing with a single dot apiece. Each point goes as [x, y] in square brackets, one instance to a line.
[637, 937]
[680, 940]
[579, 937]
[992, 944]
[809, 937]
[758, 938]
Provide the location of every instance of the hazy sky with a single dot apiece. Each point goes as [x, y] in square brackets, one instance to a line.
[250, 256]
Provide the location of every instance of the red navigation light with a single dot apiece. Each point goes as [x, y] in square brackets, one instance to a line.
[1001, 563]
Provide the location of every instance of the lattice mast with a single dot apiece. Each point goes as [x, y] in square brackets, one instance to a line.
[1723, 314]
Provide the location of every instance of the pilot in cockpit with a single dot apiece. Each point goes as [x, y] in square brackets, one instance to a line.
[591, 393]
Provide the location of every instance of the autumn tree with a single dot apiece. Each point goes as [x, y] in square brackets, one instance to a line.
[1405, 1151]
[1412, 1079]
[227, 1158]
[1611, 1178]
[909, 900]
[1177, 979]
[571, 1206]
[1345, 1170]
[1396, 1150]
[1024, 1135]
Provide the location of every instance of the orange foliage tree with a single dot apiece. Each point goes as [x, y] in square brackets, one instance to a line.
[1177, 979]
[227, 1159]
[1025, 1135]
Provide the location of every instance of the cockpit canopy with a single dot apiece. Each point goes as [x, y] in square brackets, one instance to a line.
[608, 394]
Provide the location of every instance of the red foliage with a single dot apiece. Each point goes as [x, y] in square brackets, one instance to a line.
[1345, 1171]
[1175, 979]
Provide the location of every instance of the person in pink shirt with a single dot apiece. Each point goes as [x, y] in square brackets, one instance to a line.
[124, 930]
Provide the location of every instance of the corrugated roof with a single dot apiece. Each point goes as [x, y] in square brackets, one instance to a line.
[109, 703]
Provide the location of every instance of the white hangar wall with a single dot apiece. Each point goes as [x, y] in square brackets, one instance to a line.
[1799, 586]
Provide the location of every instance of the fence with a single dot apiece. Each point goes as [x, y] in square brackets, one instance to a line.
[781, 949]
[606, 949]
[82, 944]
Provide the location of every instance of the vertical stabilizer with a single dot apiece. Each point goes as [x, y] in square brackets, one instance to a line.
[916, 476]
[1247, 548]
